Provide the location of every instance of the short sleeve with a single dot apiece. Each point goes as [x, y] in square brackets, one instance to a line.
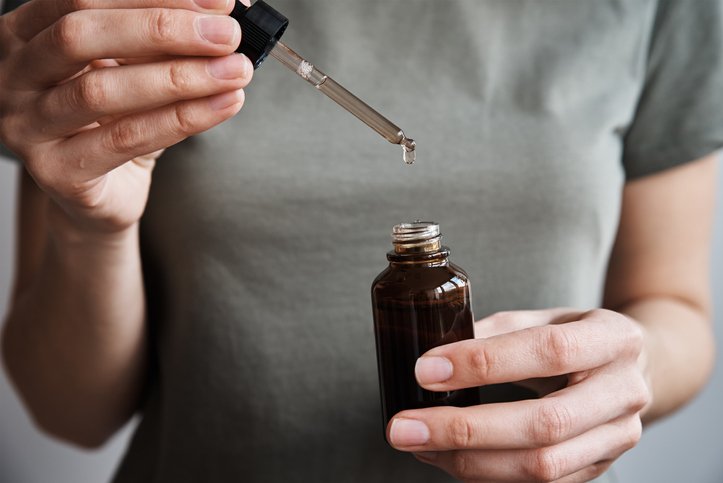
[679, 117]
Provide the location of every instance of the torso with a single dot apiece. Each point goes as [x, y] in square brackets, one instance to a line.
[262, 236]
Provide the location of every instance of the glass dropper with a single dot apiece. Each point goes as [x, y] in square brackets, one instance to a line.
[262, 26]
[337, 93]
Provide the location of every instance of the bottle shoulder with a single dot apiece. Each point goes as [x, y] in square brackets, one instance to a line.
[406, 280]
[382, 275]
[461, 273]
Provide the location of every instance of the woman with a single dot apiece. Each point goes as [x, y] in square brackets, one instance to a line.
[566, 148]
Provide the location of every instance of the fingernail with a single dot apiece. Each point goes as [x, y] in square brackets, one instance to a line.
[212, 4]
[430, 370]
[426, 455]
[229, 67]
[228, 99]
[218, 29]
[408, 432]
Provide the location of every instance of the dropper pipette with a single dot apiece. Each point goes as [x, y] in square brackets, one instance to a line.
[337, 93]
[262, 27]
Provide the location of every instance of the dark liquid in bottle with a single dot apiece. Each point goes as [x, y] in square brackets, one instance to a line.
[417, 308]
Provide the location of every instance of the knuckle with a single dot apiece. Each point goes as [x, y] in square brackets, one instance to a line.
[633, 433]
[641, 396]
[43, 172]
[66, 35]
[44, 106]
[184, 122]
[161, 26]
[635, 337]
[20, 130]
[558, 347]
[596, 469]
[40, 173]
[551, 424]
[460, 432]
[461, 468]
[90, 92]
[179, 78]
[481, 362]
[544, 466]
[123, 137]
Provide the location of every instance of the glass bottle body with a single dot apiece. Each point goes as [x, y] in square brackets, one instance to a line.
[420, 301]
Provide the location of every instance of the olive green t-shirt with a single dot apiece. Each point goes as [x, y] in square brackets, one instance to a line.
[263, 235]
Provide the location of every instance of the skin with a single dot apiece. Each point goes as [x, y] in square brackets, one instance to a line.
[74, 340]
[74, 343]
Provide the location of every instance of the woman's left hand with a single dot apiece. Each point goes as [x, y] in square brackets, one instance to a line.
[572, 434]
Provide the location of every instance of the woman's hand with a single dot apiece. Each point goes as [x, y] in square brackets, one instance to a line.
[88, 128]
[570, 435]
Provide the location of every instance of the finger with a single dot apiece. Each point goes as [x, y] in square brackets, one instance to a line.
[589, 473]
[123, 90]
[149, 59]
[522, 424]
[69, 44]
[95, 152]
[35, 16]
[552, 350]
[542, 386]
[593, 449]
[510, 321]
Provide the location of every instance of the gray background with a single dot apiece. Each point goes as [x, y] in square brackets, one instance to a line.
[687, 447]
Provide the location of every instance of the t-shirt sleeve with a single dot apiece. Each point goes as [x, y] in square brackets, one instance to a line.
[679, 117]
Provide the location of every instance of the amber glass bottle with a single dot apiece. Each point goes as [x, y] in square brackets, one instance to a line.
[420, 301]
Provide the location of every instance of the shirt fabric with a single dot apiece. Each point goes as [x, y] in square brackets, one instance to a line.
[262, 236]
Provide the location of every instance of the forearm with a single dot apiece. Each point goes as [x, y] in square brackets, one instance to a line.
[659, 274]
[679, 351]
[74, 342]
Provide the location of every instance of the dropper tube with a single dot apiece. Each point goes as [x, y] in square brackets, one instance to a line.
[337, 93]
[262, 28]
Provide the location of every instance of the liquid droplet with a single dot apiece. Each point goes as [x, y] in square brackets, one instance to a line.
[409, 148]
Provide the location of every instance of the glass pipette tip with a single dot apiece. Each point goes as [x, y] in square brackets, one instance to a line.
[332, 89]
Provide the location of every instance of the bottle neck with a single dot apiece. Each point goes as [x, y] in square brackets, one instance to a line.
[436, 258]
[418, 243]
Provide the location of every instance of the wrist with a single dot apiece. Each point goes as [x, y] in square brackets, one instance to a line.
[68, 232]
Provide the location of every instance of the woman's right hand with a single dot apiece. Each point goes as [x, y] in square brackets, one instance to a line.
[92, 91]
